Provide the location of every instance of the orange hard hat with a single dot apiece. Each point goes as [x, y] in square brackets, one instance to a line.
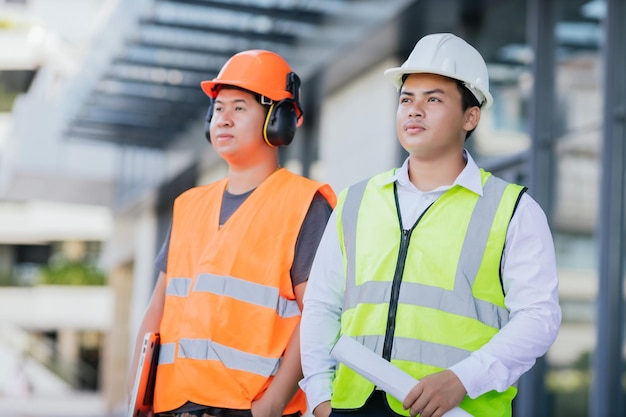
[257, 70]
[265, 73]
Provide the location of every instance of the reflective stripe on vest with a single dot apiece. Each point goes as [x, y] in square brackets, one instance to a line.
[205, 349]
[236, 288]
[250, 292]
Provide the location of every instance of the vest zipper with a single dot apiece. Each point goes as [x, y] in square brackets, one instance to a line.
[395, 293]
[405, 239]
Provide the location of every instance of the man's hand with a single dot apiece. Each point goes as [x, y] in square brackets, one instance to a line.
[434, 395]
[322, 410]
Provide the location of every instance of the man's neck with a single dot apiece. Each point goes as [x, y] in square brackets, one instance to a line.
[244, 179]
[429, 174]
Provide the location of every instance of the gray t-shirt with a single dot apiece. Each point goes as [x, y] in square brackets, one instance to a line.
[306, 244]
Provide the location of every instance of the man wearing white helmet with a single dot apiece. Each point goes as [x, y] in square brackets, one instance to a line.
[439, 267]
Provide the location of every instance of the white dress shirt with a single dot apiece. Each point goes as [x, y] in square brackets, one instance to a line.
[530, 283]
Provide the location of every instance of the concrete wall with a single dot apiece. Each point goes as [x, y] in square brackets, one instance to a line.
[357, 133]
[43, 308]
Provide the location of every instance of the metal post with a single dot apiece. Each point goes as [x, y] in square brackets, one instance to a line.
[308, 144]
[607, 392]
[532, 399]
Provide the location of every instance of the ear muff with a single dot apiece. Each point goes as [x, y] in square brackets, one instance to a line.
[207, 122]
[280, 124]
[283, 117]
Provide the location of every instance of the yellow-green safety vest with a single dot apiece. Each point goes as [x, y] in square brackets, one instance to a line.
[427, 297]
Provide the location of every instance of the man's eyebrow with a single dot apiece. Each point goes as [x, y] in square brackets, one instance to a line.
[424, 93]
[237, 100]
[435, 91]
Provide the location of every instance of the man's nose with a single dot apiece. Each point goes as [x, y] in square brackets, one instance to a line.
[416, 110]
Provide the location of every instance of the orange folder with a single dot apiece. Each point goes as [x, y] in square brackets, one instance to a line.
[143, 390]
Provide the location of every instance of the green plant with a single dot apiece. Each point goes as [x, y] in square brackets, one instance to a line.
[71, 273]
[6, 280]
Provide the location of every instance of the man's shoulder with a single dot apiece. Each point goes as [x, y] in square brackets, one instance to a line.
[380, 179]
[297, 183]
[201, 190]
[297, 179]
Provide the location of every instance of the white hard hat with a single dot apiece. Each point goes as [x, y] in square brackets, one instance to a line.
[448, 55]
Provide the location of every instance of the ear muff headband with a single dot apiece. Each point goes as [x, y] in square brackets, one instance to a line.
[207, 122]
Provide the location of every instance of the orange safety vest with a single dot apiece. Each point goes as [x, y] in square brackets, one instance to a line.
[230, 309]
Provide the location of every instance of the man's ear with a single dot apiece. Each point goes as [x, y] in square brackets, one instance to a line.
[472, 117]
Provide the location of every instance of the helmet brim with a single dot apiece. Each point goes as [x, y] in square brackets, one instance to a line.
[211, 89]
[395, 76]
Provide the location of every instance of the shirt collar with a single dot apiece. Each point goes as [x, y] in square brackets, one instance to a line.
[469, 178]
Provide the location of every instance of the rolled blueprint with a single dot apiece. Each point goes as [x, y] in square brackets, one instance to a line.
[382, 373]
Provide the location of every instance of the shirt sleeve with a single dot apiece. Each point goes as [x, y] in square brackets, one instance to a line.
[320, 325]
[161, 260]
[309, 238]
[530, 281]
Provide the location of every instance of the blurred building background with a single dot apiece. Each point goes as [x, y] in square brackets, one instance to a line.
[101, 127]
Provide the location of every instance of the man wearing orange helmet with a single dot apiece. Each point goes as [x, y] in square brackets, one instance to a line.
[228, 298]
[438, 267]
